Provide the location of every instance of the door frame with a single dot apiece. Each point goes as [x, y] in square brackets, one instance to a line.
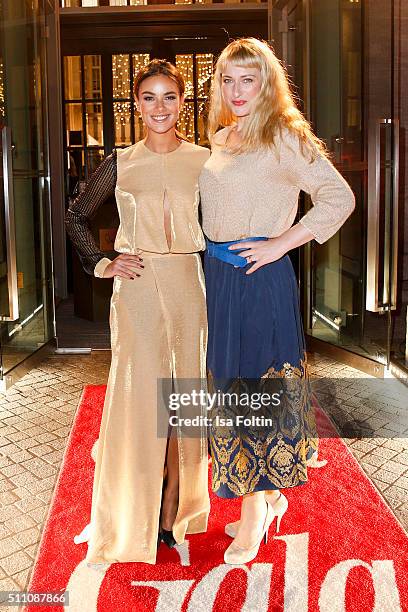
[305, 276]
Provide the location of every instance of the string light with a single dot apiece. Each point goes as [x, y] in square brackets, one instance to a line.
[2, 99]
[139, 60]
[120, 76]
[122, 109]
[122, 95]
[204, 72]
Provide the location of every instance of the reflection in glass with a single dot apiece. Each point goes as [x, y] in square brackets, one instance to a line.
[197, 92]
[73, 118]
[202, 119]
[70, 3]
[24, 107]
[337, 266]
[2, 101]
[120, 75]
[352, 149]
[139, 128]
[139, 60]
[75, 165]
[186, 121]
[93, 82]
[122, 114]
[185, 64]
[72, 77]
[204, 63]
[94, 158]
[94, 125]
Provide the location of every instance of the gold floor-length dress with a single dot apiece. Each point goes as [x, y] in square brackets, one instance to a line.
[158, 330]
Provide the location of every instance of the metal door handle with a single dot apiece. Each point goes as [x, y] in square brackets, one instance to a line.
[382, 222]
[9, 215]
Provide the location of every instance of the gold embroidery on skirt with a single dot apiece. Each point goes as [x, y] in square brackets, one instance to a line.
[240, 461]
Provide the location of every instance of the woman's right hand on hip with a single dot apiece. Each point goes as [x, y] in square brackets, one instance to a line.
[124, 265]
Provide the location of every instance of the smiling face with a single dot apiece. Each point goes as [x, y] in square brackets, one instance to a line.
[159, 102]
[240, 86]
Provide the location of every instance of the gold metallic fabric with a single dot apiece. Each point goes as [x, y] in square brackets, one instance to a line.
[143, 179]
[158, 330]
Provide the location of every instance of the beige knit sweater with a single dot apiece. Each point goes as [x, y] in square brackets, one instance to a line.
[256, 193]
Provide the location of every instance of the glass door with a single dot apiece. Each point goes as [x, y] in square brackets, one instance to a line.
[354, 294]
[337, 268]
[384, 301]
[344, 55]
[26, 292]
[288, 41]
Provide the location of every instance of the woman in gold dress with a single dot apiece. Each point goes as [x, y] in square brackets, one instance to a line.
[158, 330]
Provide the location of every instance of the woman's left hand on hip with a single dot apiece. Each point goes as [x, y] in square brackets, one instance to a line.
[260, 253]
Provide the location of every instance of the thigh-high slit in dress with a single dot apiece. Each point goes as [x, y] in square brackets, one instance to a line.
[158, 331]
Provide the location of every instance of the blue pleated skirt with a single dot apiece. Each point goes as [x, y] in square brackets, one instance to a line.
[255, 333]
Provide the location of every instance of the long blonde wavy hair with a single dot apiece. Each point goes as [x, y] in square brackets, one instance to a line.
[274, 107]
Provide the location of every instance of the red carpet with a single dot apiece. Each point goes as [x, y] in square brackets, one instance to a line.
[340, 548]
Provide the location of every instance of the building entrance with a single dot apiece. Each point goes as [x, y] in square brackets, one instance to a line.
[346, 58]
[26, 287]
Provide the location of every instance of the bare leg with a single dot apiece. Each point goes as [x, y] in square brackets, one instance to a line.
[171, 491]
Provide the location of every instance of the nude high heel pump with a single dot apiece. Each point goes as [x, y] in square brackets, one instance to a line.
[236, 555]
[279, 506]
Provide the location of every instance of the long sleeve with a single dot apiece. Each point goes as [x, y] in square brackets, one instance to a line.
[332, 198]
[100, 186]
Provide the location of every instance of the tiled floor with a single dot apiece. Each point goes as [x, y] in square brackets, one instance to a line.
[36, 416]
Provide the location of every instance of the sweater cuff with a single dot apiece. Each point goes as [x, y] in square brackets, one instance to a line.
[101, 266]
[320, 238]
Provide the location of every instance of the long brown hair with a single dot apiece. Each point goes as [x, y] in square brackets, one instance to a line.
[275, 107]
[158, 67]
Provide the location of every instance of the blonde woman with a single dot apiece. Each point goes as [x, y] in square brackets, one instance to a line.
[148, 488]
[264, 155]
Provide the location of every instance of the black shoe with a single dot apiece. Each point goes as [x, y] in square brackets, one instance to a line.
[167, 537]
